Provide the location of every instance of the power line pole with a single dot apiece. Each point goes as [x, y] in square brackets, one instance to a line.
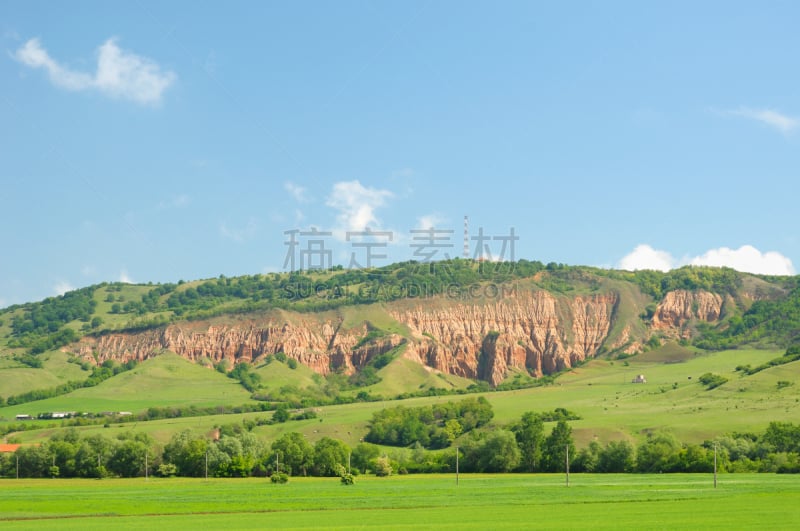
[145, 464]
[715, 465]
[456, 465]
[567, 464]
[206, 463]
[17, 466]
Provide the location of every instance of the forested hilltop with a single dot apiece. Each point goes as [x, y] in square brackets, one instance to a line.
[757, 309]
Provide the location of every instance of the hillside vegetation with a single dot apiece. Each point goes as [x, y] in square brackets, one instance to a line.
[704, 379]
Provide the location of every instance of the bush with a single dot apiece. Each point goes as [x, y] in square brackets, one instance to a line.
[347, 479]
[382, 467]
[167, 470]
[279, 478]
[712, 380]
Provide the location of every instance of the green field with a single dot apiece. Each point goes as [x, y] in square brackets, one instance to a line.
[676, 501]
[601, 392]
[164, 381]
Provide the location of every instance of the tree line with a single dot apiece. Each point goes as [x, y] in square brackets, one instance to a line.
[233, 450]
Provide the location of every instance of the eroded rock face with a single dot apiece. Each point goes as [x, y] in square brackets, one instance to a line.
[531, 330]
[323, 347]
[680, 307]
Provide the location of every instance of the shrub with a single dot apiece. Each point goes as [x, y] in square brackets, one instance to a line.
[382, 467]
[167, 470]
[347, 479]
[712, 380]
[279, 478]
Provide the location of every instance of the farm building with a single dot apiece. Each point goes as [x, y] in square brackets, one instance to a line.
[639, 379]
[8, 448]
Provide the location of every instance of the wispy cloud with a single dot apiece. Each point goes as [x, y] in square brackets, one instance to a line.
[746, 258]
[777, 120]
[239, 234]
[299, 193]
[88, 271]
[356, 205]
[120, 74]
[125, 278]
[62, 287]
[3, 303]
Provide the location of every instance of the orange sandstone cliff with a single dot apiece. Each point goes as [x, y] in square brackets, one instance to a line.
[533, 331]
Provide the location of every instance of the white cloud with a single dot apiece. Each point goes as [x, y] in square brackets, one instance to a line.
[3, 303]
[119, 74]
[239, 235]
[746, 258]
[299, 193]
[125, 278]
[62, 287]
[430, 221]
[356, 205]
[645, 257]
[772, 118]
[88, 271]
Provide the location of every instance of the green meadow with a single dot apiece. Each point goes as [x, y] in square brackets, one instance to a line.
[601, 392]
[519, 501]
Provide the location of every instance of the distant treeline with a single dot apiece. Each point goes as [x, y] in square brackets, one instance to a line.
[233, 450]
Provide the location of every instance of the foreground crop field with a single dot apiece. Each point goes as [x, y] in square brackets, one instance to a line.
[741, 501]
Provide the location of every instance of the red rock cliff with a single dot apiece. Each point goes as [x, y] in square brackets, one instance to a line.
[530, 330]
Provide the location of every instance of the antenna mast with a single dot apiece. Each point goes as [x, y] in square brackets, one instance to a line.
[466, 237]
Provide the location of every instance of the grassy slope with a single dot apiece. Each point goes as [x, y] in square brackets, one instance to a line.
[601, 392]
[276, 375]
[16, 378]
[167, 380]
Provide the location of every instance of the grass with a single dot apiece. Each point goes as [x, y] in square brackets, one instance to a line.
[601, 392]
[403, 375]
[276, 374]
[403, 502]
[164, 381]
[16, 378]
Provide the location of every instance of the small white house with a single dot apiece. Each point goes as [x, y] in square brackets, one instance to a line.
[24, 417]
[639, 379]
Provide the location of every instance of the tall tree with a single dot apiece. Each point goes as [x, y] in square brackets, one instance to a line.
[555, 447]
[529, 432]
[294, 452]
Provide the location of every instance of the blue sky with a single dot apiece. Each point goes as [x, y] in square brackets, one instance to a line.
[154, 141]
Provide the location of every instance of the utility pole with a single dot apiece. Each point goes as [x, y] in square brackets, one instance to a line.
[567, 465]
[277, 467]
[145, 464]
[206, 464]
[17, 466]
[456, 465]
[348, 462]
[715, 465]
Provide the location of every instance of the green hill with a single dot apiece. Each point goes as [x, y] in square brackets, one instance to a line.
[759, 318]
